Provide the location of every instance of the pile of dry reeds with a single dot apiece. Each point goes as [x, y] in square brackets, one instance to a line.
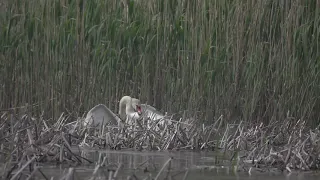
[26, 140]
[283, 145]
[162, 134]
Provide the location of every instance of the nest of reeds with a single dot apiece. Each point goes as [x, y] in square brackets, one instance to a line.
[283, 145]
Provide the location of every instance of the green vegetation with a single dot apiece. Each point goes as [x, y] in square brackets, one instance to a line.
[254, 60]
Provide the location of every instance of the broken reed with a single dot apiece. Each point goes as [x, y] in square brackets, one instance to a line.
[255, 60]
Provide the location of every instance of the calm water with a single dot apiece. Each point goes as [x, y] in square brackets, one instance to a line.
[217, 167]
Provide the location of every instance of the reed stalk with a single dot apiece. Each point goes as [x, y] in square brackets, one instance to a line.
[256, 61]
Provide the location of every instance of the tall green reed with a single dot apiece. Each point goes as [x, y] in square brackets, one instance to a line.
[251, 60]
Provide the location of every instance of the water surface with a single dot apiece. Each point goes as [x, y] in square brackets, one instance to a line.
[200, 165]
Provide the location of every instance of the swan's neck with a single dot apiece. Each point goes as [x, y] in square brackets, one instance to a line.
[125, 107]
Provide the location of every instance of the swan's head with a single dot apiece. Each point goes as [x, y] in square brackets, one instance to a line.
[136, 105]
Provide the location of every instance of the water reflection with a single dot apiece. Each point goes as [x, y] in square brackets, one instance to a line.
[198, 165]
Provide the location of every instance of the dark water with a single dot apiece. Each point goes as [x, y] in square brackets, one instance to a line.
[200, 165]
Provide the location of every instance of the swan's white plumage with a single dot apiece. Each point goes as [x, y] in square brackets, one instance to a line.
[130, 110]
[151, 112]
[153, 115]
[148, 111]
[100, 115]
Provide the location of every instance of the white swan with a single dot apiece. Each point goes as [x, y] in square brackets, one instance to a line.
[101, 115]
[129, 109]
[152, 114]
[148, 110]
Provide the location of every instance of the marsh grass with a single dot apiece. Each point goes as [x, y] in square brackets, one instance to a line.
[256, 61]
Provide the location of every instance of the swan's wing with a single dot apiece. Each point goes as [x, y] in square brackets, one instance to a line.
[151, 112]
[99, 115]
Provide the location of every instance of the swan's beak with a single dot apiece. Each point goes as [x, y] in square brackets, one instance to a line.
[139, 110]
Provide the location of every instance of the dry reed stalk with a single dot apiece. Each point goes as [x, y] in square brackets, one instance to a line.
[22, 168]
[70, 174]
[32, 173]
[117, 171]
[95, 172]
[186, 175]
[162, 169]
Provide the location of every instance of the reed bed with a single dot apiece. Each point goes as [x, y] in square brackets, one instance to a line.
[281, 145]
[27, 141]
[248, 60]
